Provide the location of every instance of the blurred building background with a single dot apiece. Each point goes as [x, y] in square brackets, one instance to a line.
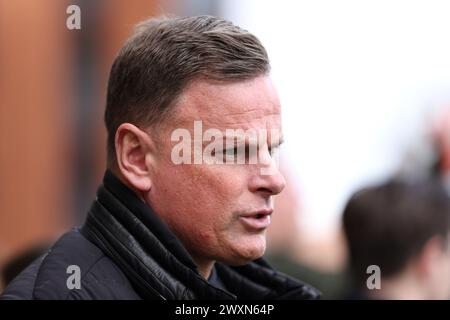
[364, 85]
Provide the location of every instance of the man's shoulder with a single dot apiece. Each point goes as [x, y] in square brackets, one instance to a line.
[74, 268]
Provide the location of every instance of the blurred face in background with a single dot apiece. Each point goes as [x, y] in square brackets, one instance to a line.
[220, 211]
[440, 271]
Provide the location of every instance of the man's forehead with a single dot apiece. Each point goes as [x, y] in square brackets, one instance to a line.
[243, 104]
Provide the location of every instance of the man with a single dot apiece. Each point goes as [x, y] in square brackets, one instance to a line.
[162, 228]
[399, 230]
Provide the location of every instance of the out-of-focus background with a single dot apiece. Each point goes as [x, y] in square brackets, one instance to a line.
[364, 85]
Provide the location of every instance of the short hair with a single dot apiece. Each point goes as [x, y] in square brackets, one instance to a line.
[388, 224]
[164, 55]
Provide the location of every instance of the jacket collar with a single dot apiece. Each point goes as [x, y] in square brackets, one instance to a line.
[148, 217]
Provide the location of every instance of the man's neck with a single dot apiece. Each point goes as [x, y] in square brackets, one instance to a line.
[204, 267]
[402, 287]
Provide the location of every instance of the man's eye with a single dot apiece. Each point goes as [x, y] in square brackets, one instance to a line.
[238, 154]
[230, 152]
[273, 150]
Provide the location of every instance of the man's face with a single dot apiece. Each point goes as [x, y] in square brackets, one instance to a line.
[220, 211]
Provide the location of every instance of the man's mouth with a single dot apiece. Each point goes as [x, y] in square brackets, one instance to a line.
[258, 220]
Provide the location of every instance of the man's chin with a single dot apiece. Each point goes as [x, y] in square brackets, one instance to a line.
[246, 254]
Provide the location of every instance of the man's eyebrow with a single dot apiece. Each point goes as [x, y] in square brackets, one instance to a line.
[234, 141]
[278, 141]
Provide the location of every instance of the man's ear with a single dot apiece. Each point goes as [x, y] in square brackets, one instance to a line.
[134, 151]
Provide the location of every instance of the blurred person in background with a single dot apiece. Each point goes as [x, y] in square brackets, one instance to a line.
[402, 227]
[162, 230]
[441, 145]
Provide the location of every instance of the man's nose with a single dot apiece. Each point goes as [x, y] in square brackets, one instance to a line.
[268, 179]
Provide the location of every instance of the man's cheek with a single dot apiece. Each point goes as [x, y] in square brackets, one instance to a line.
[230, 177]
